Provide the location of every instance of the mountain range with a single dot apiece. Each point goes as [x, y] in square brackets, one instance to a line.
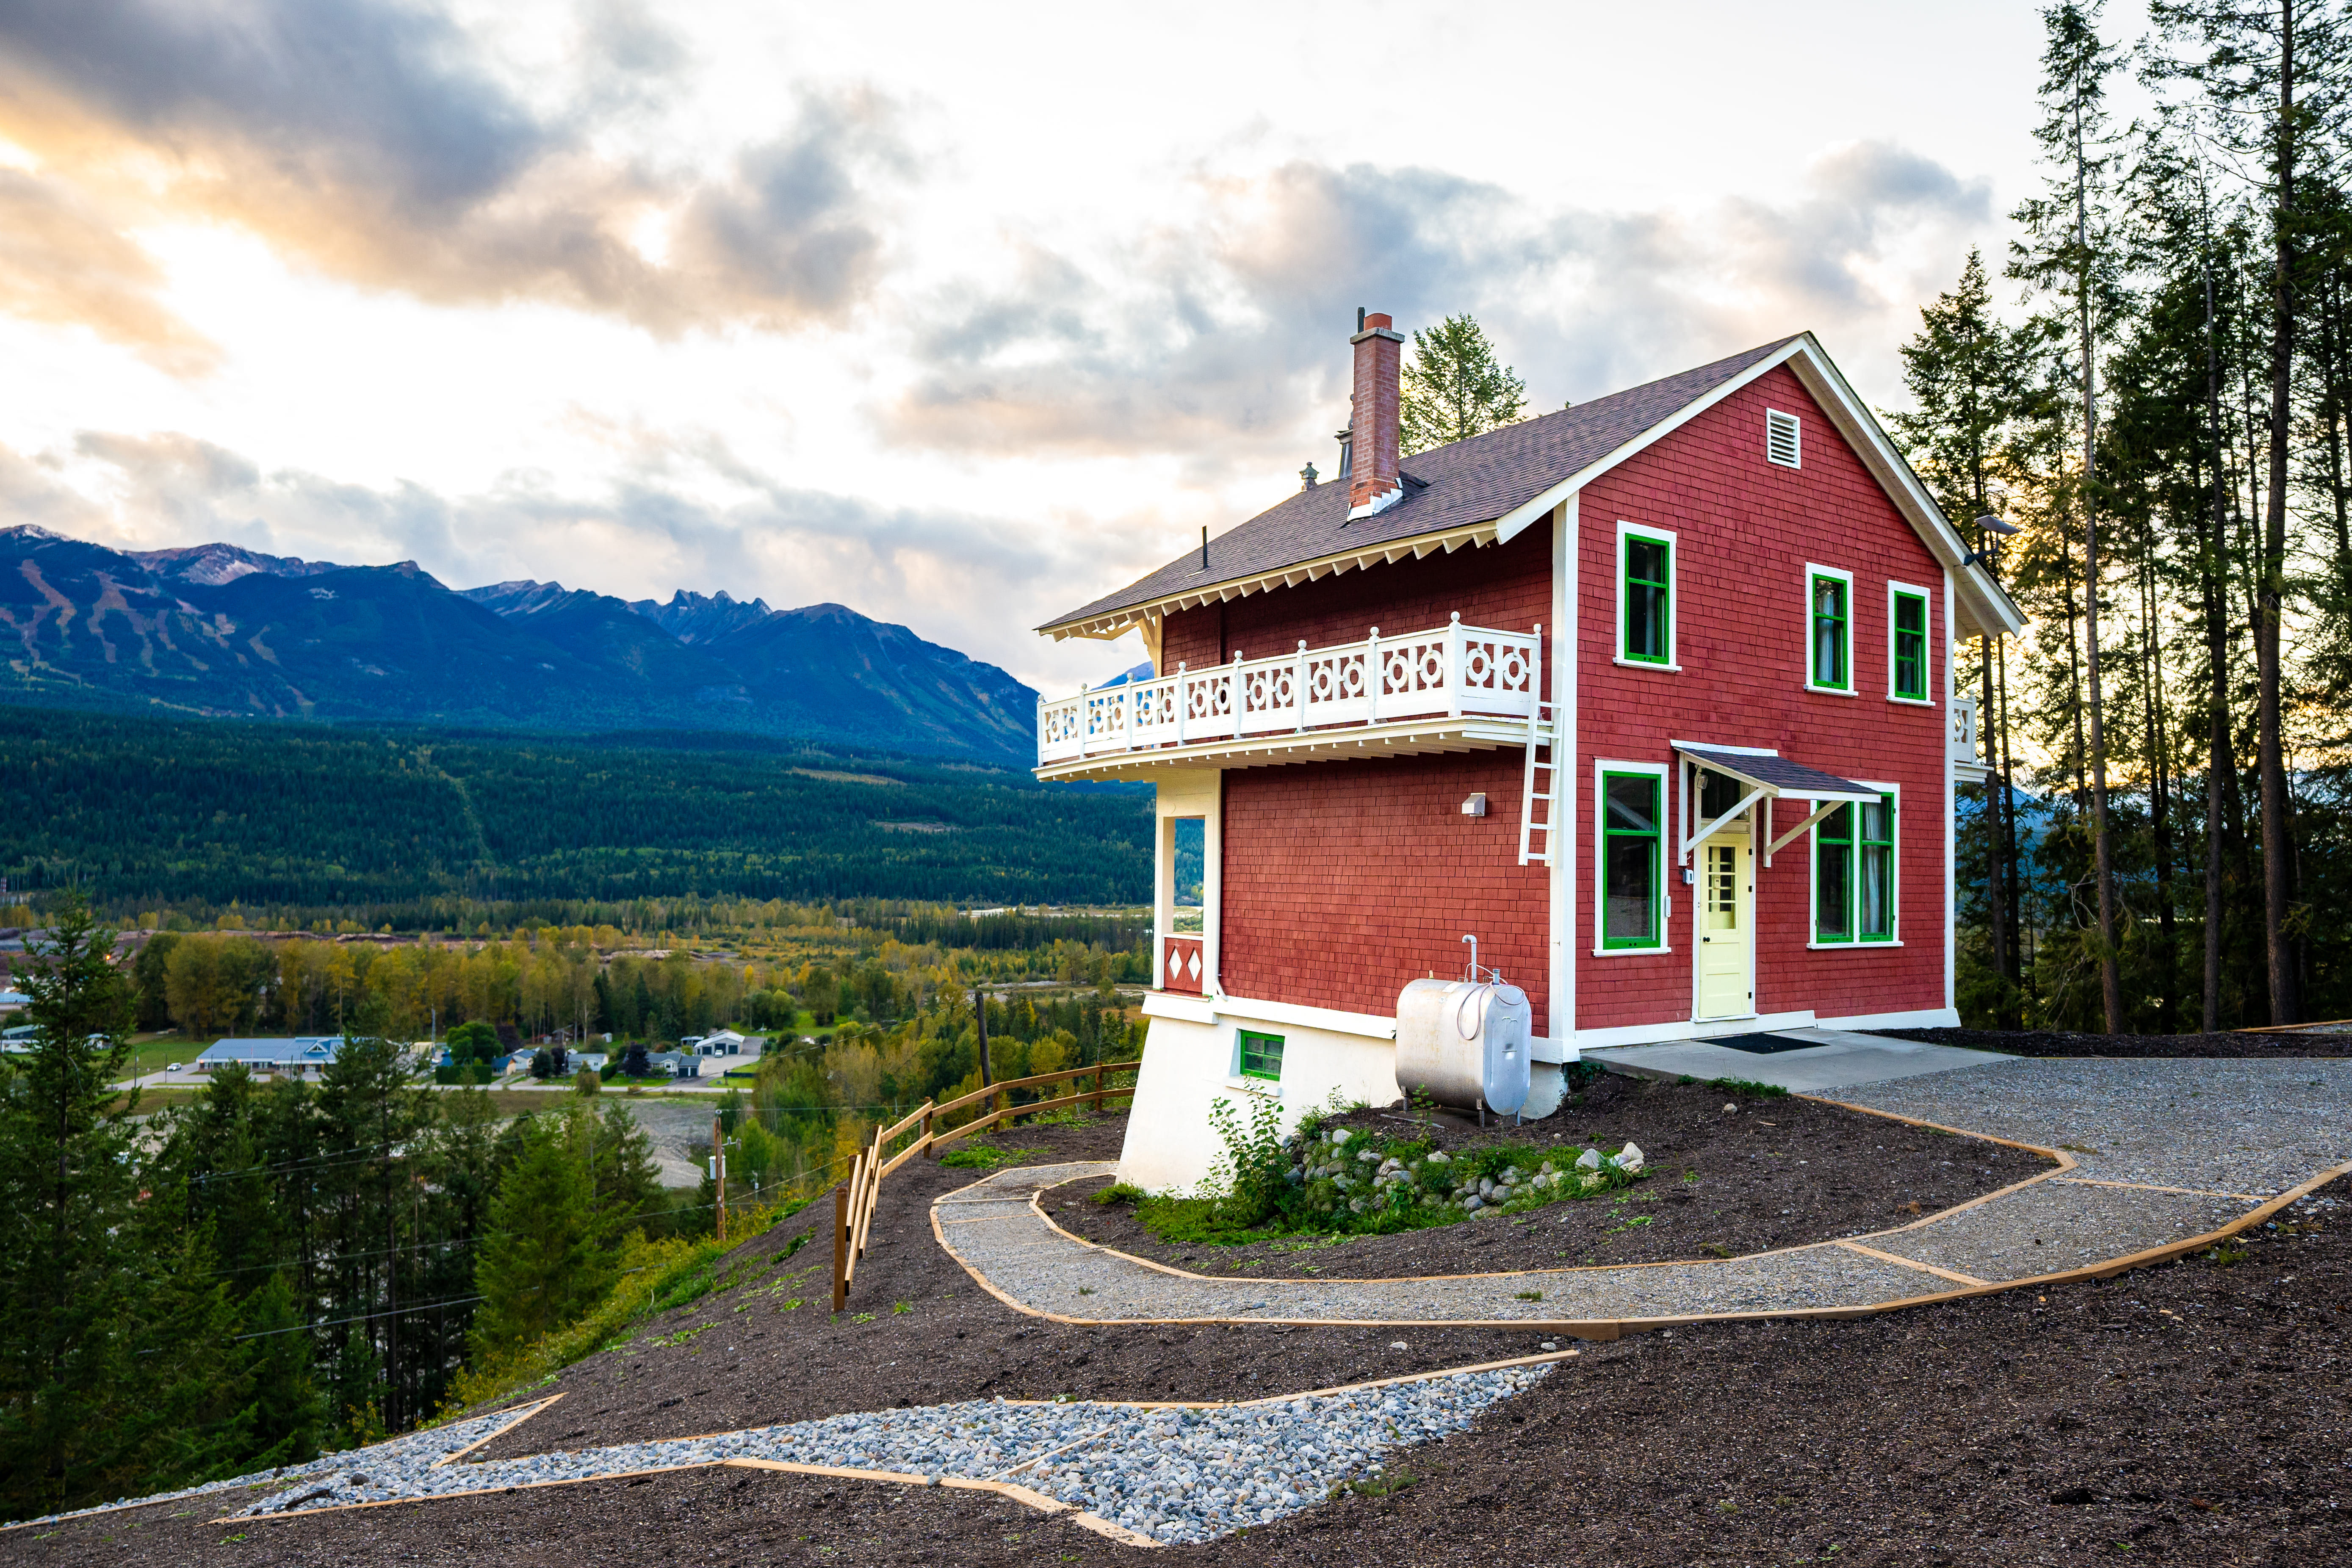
[220, 630]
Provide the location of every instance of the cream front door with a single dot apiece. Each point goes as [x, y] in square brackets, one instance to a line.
[1727, 981]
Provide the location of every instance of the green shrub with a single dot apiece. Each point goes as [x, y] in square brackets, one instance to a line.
[1356, 1182]
[1121, 1193]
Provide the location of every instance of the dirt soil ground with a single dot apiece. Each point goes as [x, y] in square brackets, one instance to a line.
[2194, 1413]
[2052, 1043]
[1776, 1173]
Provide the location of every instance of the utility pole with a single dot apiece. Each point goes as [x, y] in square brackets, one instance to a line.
[719, 1171]
[979, 1012]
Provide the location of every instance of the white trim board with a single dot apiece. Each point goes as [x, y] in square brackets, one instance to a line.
[1242, 1010]
[1761, 1024]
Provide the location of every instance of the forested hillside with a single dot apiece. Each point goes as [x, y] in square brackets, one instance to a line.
[150, 813]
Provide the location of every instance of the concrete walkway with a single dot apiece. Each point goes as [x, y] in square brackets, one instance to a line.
[2154, 1157]
[1828, 1059]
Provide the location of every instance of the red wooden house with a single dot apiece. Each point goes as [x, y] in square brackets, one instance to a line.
[1652, 696]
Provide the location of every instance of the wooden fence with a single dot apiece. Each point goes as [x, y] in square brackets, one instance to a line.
[854, 1200]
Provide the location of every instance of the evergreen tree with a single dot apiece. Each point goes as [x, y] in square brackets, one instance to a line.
[1968, 375]
[2072, 260]
[1455, 387]
[2275, 78]
[542, 1265]
[70, 1273]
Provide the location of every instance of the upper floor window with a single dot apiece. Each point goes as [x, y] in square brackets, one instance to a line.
[1829, 629]
[1907, 653]
[1645, 595]
[1783, 440]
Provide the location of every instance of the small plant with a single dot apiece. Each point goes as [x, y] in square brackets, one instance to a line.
[790, 1305]
[985, 1156]
[1382, 1485]
[863, 1318]
[1249, 1177]
[2225, 1256]
[1747, 1086]
[1119, 1193]
[898, 1307]
[1085, 1290]
[1528, 1296]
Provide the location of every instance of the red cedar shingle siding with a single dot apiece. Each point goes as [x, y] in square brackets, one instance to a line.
[1746, 530]
[1344, 880]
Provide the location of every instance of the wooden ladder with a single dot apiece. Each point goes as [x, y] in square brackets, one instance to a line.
[1539, 738]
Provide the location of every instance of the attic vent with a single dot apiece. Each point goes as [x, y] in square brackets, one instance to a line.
[1782, 441]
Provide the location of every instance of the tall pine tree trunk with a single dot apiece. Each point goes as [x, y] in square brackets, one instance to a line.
[2271, 587]
[2111, 991]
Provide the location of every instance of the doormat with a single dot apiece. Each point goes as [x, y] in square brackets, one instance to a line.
[1761, 1045]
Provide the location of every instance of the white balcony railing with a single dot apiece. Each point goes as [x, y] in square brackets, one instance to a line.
[1454, 672]
[1961, 740]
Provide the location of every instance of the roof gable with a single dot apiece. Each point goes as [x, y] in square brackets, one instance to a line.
[1486, 490]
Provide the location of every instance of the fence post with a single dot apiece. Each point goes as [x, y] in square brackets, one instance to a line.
[929, 1152]
[841, 1245]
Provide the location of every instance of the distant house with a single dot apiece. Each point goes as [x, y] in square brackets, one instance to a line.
[675, 1064]
[12, 1000]
[725, 1043]
[302, 1053]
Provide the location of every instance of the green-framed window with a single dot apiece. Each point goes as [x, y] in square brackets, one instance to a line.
[1833, 877]
[1632, 848]
[1261, 1056]
[1853, 873]
[1645, 597]
[1874, 851]
[1910, 646]
[1829, 617]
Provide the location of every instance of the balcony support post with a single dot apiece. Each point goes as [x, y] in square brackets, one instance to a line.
[1298, 687]
[1453, 667]
[1372, 672]
[1183, 703]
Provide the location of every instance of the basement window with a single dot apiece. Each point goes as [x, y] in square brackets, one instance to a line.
[1783, 440]
[1261, 1056]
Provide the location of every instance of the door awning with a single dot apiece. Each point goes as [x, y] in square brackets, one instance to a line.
[1775, 776]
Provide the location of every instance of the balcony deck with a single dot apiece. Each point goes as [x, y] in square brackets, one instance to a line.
[1455, 688]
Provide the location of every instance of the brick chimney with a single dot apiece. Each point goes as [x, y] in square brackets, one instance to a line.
[1372, 483]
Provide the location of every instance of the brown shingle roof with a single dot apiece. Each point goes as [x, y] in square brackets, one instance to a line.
[1457, 485]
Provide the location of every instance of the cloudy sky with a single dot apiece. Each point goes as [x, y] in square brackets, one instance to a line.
[960, 315]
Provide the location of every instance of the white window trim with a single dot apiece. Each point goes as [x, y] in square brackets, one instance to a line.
[1628, 530]
[1853, 687]
[1854, 888]
[1662, 772]
[1797, 424]
[1927, 645]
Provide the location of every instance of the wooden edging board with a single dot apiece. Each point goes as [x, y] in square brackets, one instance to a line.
[1013, 1491]
[1607, 1328]
[521, 1416]
[526, 1413]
